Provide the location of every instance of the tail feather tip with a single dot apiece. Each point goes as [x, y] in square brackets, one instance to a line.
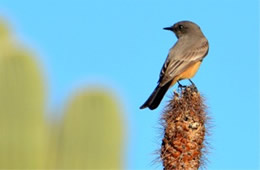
[143, 106]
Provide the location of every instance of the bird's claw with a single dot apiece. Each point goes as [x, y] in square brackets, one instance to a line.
[193, 86]
[180, 85]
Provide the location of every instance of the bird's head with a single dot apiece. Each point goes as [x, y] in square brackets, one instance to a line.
[184, 28]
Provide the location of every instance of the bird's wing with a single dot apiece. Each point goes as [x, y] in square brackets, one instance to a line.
[176, 63]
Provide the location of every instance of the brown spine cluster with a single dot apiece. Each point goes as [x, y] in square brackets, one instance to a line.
[184, 131]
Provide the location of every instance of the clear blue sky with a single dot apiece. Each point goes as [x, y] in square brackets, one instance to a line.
[121, 44]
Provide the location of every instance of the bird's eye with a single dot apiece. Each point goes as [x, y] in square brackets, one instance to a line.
[181, 27]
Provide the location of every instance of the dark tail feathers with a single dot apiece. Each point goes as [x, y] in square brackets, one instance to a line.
[156, 97]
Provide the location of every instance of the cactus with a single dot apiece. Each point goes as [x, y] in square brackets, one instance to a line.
[22, 128]
[91, 136]
[184, 123]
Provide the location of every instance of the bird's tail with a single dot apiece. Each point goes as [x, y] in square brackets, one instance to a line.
[156, 97]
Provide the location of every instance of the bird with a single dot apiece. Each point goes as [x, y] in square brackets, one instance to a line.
[182, 62]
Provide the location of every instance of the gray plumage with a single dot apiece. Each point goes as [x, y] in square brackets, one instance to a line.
[191, 47]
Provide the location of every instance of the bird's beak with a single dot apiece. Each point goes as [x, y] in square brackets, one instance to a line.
[168, 28]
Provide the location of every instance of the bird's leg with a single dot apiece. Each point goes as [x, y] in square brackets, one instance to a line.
[192, 82]
[180, 85]
[193, 86]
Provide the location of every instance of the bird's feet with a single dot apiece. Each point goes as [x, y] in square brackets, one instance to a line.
[180, 85]
[193, 86]
[192, 83]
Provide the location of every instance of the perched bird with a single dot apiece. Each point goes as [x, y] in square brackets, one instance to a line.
[183, 60]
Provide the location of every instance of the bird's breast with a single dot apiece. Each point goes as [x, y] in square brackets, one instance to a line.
[188, 73]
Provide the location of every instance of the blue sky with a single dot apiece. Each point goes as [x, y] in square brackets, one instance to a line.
[121, 45]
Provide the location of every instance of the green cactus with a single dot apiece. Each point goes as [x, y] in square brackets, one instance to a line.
[92, 133]
[22, 128]
[89, 136]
